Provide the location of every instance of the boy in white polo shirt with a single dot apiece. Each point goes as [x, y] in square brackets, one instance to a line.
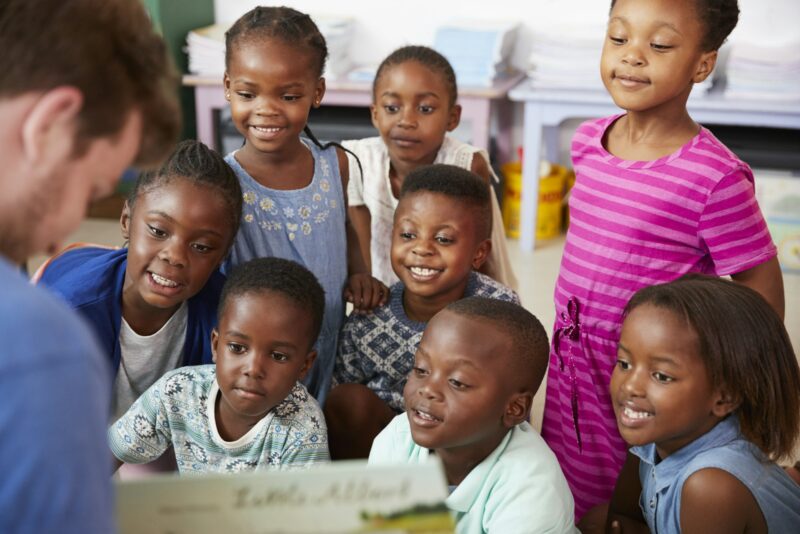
[468, 400]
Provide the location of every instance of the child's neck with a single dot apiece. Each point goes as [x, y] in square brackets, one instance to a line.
[459, 462]
[288, 169]
[398, 170]
[422, 308]
[650, 135]
[145, 320]
[230, 428]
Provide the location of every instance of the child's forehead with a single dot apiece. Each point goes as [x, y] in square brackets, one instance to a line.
[421, 77]
[474, 340]
[432, 202]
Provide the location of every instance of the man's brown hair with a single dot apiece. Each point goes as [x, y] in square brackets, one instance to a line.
[109, 51]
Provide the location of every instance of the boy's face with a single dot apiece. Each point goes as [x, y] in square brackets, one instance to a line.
[262, 347]
[412, 112]
[660, 388]
[460, 394]
[271, 86]
[435, 245]
[175, 242]
[652, 55]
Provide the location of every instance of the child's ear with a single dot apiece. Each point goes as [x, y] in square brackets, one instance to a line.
[319, 92]
[226, 81]
[518, 409]
[706, 66]
[373, 113]
[214, 342]
[455, 117]
[481, 253]
[724, 404]
[310, 357]
[125, 221]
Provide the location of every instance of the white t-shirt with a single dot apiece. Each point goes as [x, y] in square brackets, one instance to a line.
[145, 359]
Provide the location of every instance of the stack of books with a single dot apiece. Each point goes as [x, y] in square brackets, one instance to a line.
[763, 72]
[206, 47]
[569, 59]
[479, 52]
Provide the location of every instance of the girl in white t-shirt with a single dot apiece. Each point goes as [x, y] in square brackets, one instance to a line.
[414, 106]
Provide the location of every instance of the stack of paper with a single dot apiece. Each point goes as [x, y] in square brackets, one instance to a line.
[479, 52]
[569, 59]
[763, 72]
[206, 46]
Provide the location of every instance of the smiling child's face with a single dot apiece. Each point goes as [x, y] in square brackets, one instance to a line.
[435, 245]
[175, 242]
[660, 387]
[412, 112]
[652, 54]
[262, 347]
[459, 396]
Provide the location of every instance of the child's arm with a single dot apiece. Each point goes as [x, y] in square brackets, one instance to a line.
[363, 290]
[734, 507]
[766, 278]
[624, 514]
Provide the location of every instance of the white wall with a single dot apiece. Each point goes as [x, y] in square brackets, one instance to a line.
[383, 26]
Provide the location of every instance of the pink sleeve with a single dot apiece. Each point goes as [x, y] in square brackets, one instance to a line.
[732, 226]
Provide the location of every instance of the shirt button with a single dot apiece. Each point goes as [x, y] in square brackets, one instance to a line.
[652, 504]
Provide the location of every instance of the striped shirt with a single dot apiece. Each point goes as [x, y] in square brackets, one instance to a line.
[633, 224]
[178, 410]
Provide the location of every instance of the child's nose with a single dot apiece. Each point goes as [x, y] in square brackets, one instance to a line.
[633, 55]
[408, 119]
[253, 367]
[634, 383]
[174, 254]
[423, 248]
[265, 107]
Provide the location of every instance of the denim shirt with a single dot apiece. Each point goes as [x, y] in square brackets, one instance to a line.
[724, 447]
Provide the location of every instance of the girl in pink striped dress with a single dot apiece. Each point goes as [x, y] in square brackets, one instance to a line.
[656, 196]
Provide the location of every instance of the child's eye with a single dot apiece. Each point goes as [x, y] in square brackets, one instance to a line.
[623, 365]
[616, 40]
[426, 110]
[419, 371]
[443, 240]
[407, 235]
[660, 47]
[237, 348]
[290, 98]
[244, 94]
[279, 356]
[156, 232]
[457, 384]
[661, 377]
[391, 108]
[201, 248]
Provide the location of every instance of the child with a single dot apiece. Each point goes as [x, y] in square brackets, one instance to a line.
[414, 106]
[467, 400]
[707, 391]
[441, 235]
[249, 412]
[294, 200]
[153, 304]
[656, 196]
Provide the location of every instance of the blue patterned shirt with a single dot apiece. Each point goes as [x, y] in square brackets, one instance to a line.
[377, 349]
[178, 410]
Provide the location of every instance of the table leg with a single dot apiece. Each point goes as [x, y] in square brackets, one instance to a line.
[530, 174]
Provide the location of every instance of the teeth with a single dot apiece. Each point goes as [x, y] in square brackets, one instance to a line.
[421, 271]
[426, 416]
[160, 280]
[633, 414]
[267, 130]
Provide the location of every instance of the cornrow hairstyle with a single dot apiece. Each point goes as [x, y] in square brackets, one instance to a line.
[425, 56]
[454, 182]
[279, 275]
[530, 351]
[195, 162]
[746, 350]
[292, 27]
[719, 18]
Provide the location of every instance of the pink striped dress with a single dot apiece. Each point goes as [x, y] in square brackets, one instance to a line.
[633, 224]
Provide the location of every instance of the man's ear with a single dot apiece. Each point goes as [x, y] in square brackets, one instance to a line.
[125, 221]
[518, 409]
[706, 66]
[455, 117]
[214, 342]
[310, 357]
[49, 129]
[481, 253]
[725, 403]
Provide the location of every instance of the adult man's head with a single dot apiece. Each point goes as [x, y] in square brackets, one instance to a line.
[87, 89]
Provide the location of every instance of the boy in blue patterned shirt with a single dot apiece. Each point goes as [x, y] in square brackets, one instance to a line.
[441, 236]
[249, 411]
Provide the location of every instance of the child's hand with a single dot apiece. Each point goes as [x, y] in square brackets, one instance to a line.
[365, 292]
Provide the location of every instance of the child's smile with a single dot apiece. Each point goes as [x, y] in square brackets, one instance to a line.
[660, 388]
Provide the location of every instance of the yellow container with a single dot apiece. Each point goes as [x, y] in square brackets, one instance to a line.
[551, 194]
